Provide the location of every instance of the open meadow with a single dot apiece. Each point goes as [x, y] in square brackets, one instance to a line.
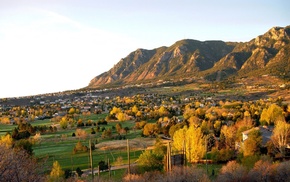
[59, 145]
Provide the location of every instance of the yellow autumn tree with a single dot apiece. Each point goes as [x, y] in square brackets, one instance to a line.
[229, 132]
[115, 110]
[194, 142]
[271, 115]
[281, 136]
[56, 174]
[163, 111]
[121, 116]
[150, 129]
[179, 137]
[134, 109]
[5, 120]
[63, 122]
[72, 110]
[6, 140]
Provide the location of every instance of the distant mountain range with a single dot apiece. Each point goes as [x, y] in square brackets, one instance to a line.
[211, 60]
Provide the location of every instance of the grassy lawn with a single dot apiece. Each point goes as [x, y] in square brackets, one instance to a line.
[116, 175]
[94, 117]
[59, 145]
[212, 169]
[46, 122]
[4, 128]
[63, 153]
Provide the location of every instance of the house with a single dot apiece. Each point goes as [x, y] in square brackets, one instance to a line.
[265, 132]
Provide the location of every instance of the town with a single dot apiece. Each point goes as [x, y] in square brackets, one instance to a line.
[197, 123]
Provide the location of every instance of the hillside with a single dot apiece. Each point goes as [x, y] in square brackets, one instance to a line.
[212, 60]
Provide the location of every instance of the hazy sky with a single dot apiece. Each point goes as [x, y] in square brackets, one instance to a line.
[56, 45]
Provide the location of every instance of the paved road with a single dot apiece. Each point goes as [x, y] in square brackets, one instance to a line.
[88, 171]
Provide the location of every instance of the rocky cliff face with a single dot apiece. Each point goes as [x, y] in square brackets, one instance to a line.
[266, 54]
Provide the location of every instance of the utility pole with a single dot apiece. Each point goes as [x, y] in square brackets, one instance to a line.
[91, 160]
[109, 168]
[128, 151]
[184, 153]
[206, 154]
[168, 167]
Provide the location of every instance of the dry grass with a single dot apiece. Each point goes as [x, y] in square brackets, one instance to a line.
[137, 143]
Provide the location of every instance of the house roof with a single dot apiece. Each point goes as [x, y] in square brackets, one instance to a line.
[265, 132]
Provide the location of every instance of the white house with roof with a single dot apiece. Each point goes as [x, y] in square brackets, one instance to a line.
[266, 133]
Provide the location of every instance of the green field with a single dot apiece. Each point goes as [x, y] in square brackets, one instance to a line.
[62, 151]
[59, 145]
[4, 128]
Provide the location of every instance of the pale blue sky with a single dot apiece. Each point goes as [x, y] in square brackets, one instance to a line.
[56, 45]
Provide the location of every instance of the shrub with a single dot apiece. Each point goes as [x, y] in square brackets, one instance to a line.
[79, 172]
[80, 148]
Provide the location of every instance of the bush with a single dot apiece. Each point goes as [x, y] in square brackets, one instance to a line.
[68, 173]
[80, 148]
[93, 131]
[79, 172]
[149, 161]
[233, 171]
[103, 166]
[102, 122]
[222, 155]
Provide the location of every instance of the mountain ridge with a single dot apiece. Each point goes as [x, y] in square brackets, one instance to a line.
[213, 60]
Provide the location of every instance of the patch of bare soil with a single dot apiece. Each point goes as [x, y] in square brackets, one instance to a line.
[136, 143]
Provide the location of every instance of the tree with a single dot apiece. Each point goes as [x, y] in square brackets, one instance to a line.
[233, 171]
[159, 148]
[175, 128]
[17, 165]
[194, 121]
[93, 131]
[63, 123]
[79, 172]
[271, 115]
[80, 147]
[185, 173]
[72, 111]
[5, 120]
[149, 161]
[107, 133]
[121, 116]
[6, 140]
[200, 113]
[253, 143]
[229, 132]
[25, 145]
[138, 114]
[103, 166]
[56, 174]
[188, 112]
[194, 141]
[262, 171]
[115, 110]
[68, 173]
[135, 109]
[222, 155]
[281, 136]
[217, 127]
[150, 129]
[163, 111]
[81, 133]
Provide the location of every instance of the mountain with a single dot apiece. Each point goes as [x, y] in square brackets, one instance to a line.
[212, 60]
